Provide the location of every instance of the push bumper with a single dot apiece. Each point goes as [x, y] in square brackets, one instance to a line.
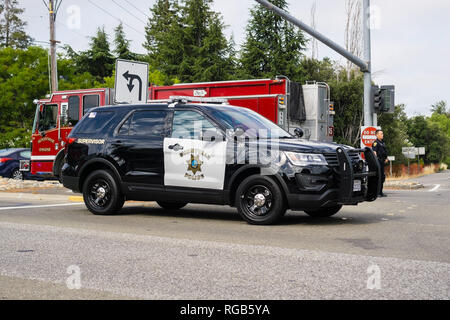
[370, 178]
[343, 192]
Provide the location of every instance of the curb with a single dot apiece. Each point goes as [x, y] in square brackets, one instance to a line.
[76, 199]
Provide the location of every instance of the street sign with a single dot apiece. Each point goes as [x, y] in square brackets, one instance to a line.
[368, 136]
[391, 158]
[409, 152]
[421, 151]
[131, 83]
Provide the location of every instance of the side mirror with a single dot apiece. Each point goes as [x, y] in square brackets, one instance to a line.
[299, 133]
[238, 132]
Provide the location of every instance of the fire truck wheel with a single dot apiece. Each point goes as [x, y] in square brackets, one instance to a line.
[60, 178]
[16, 174]
[171, 205]
[101, 193]
[323, 212]
[260, 200]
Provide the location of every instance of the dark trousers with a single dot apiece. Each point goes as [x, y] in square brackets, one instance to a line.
[383, 176]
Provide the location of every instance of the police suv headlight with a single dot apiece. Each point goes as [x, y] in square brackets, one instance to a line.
[306, 159]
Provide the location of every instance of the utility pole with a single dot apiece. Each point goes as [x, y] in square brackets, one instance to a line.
[52, 10]
[363, 65]
[7, 23]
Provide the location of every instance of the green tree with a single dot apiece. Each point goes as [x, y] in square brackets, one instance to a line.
[439, 107]
[207, 54]
[23, 78]
[97, 60]
[318, 70]
[164, 37]
[348, 104]
[186, 41]
[395, 131]
[424, 133]
[12, 33]
[272, 45]
[122, 45]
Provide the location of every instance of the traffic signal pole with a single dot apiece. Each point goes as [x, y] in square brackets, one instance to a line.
[370, 117]
[363, 65]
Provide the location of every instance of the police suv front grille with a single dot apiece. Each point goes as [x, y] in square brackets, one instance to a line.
[333, 160]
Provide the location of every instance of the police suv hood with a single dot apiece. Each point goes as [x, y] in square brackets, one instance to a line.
[308, 146]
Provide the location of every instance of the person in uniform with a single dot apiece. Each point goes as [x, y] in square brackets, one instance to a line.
[380, 151]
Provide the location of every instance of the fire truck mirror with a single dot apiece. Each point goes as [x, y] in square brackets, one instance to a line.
[299, 132]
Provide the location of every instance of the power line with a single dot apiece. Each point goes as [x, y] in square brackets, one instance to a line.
[130, 13]
[105, 11]
[131, 4]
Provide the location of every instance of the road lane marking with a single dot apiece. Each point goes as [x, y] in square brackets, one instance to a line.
[435, 188]
[41, 206]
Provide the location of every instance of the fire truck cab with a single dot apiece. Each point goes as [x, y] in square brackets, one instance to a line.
[54, 119]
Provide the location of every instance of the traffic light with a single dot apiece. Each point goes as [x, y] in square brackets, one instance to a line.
[388, 98]
[377, 98]
[383, 99]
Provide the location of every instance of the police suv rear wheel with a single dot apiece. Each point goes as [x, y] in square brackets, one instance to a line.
[260, 200]
[324, 212]
[101, 193]
[171, 205]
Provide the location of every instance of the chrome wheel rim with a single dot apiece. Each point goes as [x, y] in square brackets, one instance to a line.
[99, 193]
[17, 175]
[258, 201]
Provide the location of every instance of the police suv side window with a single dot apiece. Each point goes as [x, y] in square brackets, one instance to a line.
[190, 125]
[148, 123]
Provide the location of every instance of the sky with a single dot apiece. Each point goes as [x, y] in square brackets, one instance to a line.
[410, 38]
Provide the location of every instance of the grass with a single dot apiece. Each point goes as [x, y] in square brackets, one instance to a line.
[426, 171]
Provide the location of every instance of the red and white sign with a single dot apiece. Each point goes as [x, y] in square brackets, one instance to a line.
[331, 131]
[368, 136]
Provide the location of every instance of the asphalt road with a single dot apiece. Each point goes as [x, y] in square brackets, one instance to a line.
[394, 248]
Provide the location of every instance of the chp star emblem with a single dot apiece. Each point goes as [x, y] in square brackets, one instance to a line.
[194, 164]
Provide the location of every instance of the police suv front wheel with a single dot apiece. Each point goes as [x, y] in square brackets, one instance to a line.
[324, 212]
[101, 193]
[260, 200]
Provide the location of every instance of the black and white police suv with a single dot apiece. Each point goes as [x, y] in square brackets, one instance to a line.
[180, 152]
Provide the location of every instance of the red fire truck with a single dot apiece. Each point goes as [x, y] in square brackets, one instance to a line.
[54, 119]
[279, 100]
[286, 103]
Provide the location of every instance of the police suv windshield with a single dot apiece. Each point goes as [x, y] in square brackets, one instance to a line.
[253, 124]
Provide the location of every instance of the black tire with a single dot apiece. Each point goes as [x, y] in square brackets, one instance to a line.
[59, 171]
[323, 212]
[271, 207]
[101, 193]
[171, 205]
[16, 174]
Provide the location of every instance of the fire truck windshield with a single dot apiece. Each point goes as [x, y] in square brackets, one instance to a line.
[36, 119]
[251, 122]
[47, 117]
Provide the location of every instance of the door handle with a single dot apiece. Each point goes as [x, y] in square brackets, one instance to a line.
[176, 147]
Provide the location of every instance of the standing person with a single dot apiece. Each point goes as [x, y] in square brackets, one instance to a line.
[380, 151]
